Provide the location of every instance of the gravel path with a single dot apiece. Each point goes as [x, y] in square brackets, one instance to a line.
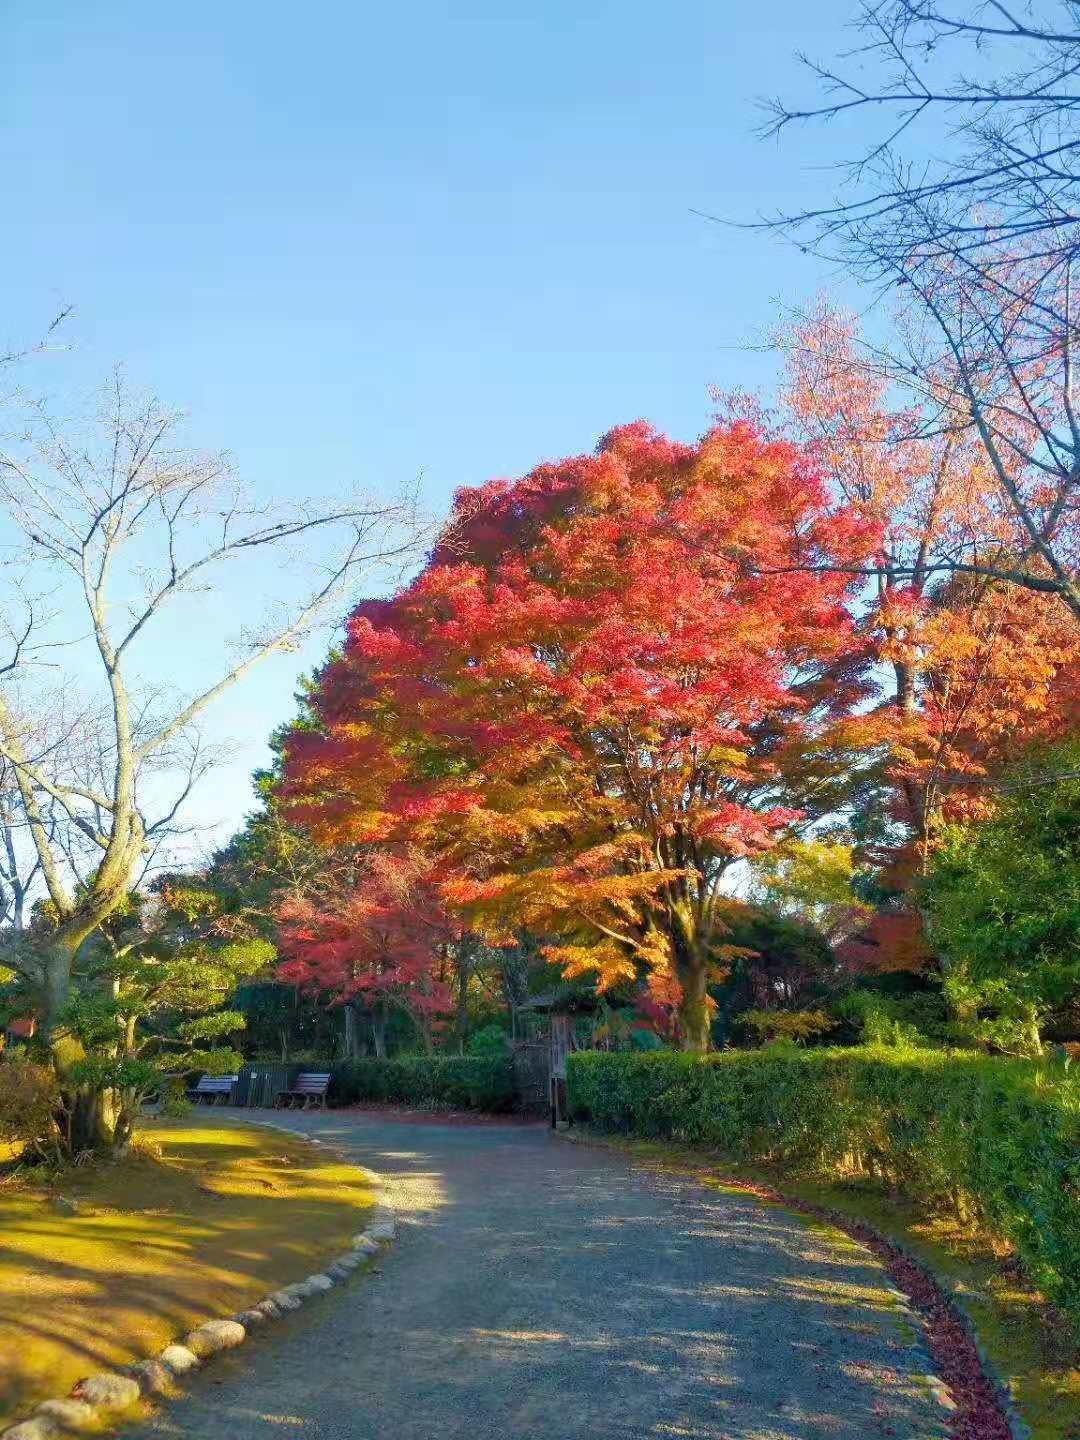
[552, 1291]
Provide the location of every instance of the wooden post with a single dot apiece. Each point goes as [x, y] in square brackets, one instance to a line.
[560, 1048]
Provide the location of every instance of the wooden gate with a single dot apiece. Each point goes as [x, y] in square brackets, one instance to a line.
[532, 1073]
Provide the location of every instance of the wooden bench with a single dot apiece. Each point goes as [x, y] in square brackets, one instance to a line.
[307, 1090]
[214, 1089]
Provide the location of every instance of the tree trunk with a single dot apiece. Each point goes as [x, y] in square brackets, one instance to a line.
[350, 1032]
[124, 1128]
[694, 1020]
[59, 963]
[462, 1020]
[91, 1123]
[89, 1118]
[378, 1030]
[1034, 1031]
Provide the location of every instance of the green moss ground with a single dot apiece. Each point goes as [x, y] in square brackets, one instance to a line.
[201, 1221]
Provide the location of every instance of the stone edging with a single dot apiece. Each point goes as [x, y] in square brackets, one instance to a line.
[99, 1397]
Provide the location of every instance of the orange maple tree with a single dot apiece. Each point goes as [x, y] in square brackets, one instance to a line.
[596, 698]
[979, 667]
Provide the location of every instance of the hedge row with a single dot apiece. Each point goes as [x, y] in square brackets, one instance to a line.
[480, 1083]
[996, 1140]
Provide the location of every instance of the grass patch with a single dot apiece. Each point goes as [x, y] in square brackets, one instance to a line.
[1028, 1344]
[202, 1220]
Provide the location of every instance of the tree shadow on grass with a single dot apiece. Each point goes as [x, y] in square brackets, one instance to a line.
[156, 1246]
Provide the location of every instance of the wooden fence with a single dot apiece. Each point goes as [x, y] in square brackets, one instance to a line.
[259, 1085]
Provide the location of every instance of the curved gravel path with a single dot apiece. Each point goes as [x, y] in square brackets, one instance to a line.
[545, 1290]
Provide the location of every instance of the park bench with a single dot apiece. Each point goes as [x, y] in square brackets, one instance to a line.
[306, 1090]
[213, 1089]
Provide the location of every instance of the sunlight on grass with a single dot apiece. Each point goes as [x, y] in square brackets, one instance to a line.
[203, 1220]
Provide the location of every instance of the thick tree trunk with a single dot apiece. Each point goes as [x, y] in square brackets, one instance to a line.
[694, 1021]
[89, 1115]
[91, 1120]
[691, 953]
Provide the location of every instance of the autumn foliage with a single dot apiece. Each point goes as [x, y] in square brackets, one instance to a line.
[974, 669]
[372, 941]
[614, 679]
[921, 480]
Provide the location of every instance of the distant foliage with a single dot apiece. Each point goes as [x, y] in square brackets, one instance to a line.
[780, 961]
[796, 1025]
[491, 1040]
[812, 881]
[374, 940]
[892, 941]
[897, 1022]
[979, 666]
[997, 1141]
[1002, 901]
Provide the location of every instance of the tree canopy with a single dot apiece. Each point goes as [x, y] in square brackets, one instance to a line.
[604, 689]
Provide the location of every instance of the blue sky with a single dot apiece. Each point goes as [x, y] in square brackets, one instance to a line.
[363, 243]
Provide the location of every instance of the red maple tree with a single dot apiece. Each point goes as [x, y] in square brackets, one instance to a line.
[373, 943]
[609, 684]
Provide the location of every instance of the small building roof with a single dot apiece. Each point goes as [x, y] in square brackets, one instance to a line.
[564, 999]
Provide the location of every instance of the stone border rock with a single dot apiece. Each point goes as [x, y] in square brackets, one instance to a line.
[102, 1396]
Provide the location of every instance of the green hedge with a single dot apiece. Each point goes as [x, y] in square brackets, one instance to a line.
[998, 1140]
[469, 1083]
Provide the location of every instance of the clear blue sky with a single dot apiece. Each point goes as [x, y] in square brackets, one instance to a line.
[363, 241]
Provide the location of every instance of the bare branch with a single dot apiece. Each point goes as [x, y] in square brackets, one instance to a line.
[131, 521]
[979, 241]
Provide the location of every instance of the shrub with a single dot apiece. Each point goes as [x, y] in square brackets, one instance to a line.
[881, 1019]
[997, 1140]
[175, 1104]
[796, 1025]
[491, 1040]
[1002, 903]
[451, 1082]
[29, 1105]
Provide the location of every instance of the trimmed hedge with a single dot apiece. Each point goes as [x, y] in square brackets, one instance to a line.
[996, 1140]
[484, 1082]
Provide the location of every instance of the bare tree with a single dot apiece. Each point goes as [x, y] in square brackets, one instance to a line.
[18, 870]
[117, 524]
[979, 236]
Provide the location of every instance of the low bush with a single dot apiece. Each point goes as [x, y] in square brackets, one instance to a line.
[794, 1025]
[29, 1106]
[491, 1040]
[998, 1141]
[175, 1104]
[475, 1082]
